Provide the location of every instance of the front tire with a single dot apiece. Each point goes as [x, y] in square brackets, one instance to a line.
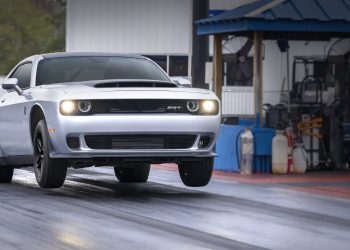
[196, 173]
[136, 173]
[49, 173]
[6, 174]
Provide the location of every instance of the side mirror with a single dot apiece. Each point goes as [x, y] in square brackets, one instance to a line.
[12, 84]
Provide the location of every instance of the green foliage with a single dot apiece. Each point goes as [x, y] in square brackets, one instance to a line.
[27, 29]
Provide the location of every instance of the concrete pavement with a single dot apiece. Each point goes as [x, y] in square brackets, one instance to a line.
[94, 211]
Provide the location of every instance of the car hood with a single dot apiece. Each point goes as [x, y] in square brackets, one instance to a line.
[88, 91]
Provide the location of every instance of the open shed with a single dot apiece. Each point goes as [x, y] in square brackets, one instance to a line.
[312, 20]
[295, 20]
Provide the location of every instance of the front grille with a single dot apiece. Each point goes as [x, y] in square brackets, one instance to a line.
[140, 141]
[124, 106]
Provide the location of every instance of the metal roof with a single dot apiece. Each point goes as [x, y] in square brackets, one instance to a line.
[277, 16]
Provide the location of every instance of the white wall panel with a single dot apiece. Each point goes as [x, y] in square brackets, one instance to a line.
[275, 62]
[240, 101]
[227, 4]
[164, 27]
[130, 26]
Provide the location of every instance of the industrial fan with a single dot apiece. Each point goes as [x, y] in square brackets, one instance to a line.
[238, 59]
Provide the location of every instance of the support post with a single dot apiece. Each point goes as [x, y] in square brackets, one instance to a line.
[258, 75]
[218, 65]
[288, 80]
[200, 45]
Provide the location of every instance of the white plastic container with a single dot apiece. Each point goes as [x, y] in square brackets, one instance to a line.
[299, 159]
[247, 152]
[279, 153]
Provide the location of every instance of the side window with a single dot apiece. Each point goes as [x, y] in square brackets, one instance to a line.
[23, 74]
[178, 66]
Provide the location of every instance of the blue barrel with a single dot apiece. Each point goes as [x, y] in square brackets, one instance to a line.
[263, 149]
[226, 148]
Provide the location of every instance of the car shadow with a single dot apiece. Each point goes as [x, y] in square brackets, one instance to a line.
[136, 190]
[105, 188]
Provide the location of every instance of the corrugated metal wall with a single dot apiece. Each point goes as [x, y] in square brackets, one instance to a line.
[164, 27]
[130, 26]
[227, 4]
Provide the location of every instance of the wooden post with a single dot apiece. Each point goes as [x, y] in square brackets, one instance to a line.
[257, 74]
[218, 65]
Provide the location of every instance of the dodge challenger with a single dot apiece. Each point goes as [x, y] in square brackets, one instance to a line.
[80, 110]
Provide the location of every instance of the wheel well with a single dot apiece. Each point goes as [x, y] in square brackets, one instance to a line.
[36, 115]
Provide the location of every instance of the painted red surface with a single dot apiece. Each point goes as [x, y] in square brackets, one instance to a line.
[329, 183]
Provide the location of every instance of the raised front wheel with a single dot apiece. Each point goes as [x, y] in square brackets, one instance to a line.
[49, 173]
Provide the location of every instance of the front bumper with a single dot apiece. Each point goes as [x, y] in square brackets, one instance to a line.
[173, 124]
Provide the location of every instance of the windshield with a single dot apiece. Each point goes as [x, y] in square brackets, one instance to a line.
[78, 69]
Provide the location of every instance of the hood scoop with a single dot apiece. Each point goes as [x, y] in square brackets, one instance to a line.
[135, 84]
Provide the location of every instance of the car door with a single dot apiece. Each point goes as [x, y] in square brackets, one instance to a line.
[13, 138]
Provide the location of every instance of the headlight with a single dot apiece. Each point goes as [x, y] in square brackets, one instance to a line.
[84, 106]
[208, 107]
[193, 106]
[67, 107]
[75, 107]
[203, 107]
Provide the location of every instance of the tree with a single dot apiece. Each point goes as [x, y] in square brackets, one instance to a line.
[30, 27]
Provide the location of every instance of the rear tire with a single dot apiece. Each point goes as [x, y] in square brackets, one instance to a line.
[49, 173]
[135, 173]
[6, 174]
[196, 173]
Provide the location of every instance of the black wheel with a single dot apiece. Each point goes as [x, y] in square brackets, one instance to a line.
[6, 174]
[49, 173]
[196, 173]
[135, 173]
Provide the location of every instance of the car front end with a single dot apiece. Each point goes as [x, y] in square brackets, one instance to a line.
[102, 109]
[159, 125]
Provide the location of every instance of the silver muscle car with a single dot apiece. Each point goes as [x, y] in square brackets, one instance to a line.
[100, 109]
